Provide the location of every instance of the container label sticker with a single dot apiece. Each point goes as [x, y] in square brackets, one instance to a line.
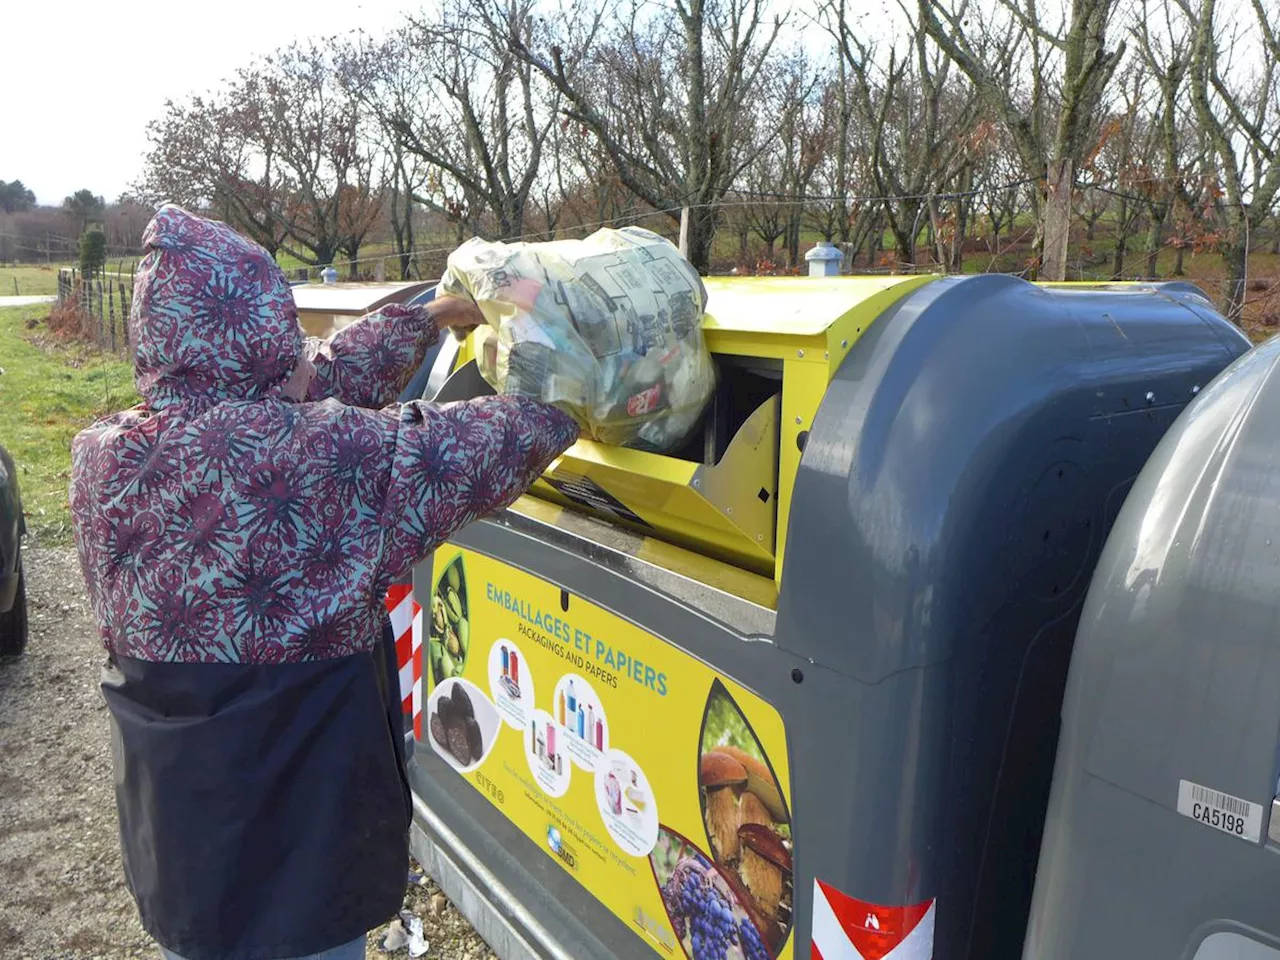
[657, 783]
[1232, 815]
[587, 493]
[846, 928]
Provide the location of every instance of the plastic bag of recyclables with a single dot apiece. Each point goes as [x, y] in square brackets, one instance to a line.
[608, 328]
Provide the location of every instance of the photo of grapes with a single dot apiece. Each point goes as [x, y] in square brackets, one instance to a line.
[450, 628]
[744, 811]
[705, 910]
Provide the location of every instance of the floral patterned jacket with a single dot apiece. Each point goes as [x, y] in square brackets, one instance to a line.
[237, 548]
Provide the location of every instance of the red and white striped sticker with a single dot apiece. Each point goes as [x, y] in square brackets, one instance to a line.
[406, 624]
[845, 928]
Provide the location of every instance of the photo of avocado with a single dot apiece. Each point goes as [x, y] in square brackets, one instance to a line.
[450, 626]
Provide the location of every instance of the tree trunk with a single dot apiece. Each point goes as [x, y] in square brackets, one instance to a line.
[1154, 240]
[744, 234]
[1117, 260]
[1121, 241]
[904, 242]
[1234, 258]
[793, 241]
[963, 206]
[702, 231]
[1177, 261]
[1057, 219]
[935, 235]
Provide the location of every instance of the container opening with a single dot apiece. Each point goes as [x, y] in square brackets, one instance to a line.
[741, 387]
[718, 495]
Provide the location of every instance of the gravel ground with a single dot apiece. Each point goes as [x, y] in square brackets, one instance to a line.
[62, 892]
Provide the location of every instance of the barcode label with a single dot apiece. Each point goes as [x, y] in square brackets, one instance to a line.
[1219, 810]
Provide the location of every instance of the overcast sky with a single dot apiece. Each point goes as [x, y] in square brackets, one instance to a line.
[128, 58]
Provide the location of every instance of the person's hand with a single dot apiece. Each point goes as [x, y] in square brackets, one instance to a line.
[456, 313]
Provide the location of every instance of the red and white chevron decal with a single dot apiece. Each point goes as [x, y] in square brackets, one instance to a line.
[406, 624]
[848, 929]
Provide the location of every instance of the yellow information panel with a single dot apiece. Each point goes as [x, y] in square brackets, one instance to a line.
[660, 785]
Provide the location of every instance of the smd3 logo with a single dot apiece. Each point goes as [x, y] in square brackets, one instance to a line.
[560, 848]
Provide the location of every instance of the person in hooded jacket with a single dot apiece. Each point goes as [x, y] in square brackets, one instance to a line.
[238, 531]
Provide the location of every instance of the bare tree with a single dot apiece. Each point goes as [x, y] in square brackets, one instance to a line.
[778, 180]
[667, 90]
[213, 151]
[917, 115]
[1054, 131]
[1176, 181]
[281, 152]
[456, 97]
[331, 189]
[1122, 159]
[1237, 104]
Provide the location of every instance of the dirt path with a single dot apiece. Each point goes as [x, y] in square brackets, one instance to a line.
[62, 892]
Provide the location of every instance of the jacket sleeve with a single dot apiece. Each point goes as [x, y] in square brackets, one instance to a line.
[453, 463]
[370, 362]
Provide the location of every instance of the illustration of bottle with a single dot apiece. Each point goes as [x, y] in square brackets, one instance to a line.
[600, 735]
[560, 709]
[582, 722]
[506, 662]
[551, 744]
[613, 794]
[573, 701]
[515, 668]
[591, 722]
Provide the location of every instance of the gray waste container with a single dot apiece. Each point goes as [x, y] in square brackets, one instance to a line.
[797, 687]
[1162, 838]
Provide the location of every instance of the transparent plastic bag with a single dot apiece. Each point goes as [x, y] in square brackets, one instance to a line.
[608, 328]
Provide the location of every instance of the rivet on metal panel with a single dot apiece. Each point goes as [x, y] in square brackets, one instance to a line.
[799, 353]
[799, 420]
[1195, 389]
[844, 344]
[729, 510]
[1151, 397]
[697, 483]
[797, 675]
[759, 536]
[826, 355]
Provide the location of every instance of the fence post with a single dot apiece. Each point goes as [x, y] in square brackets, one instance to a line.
[124, 313]
[684, 232]
[111, 314]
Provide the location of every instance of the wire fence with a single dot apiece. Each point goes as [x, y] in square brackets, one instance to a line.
[98, 305]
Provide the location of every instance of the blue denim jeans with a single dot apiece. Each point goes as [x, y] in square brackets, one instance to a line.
[348, 951]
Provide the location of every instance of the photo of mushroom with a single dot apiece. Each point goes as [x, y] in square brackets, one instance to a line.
[708, 908]
[450, 626]
[747, 820]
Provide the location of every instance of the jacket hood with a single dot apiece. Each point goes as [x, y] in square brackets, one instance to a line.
[213, 316]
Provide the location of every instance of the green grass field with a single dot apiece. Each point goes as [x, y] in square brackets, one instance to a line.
[41, 280]
[48, 392]
[29, 281]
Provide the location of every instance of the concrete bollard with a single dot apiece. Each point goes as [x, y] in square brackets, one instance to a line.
[824, 259]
